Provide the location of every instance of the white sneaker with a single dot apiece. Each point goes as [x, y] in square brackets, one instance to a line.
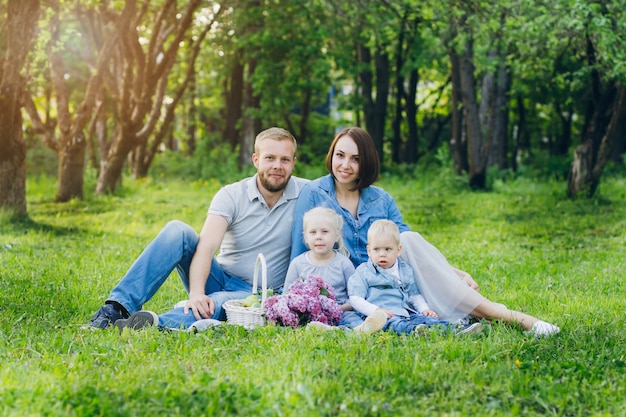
[542, 328]
[373, 323]
[318, 325]
[203, 325]
[180, 304]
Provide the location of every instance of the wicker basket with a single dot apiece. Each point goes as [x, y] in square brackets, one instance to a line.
[250, 317]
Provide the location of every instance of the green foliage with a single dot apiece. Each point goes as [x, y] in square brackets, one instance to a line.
[526, 244]
[211, 161]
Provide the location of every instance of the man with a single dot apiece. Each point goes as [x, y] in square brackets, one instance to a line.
[246, 218]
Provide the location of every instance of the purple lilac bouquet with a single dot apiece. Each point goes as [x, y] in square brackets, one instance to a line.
[310, 299]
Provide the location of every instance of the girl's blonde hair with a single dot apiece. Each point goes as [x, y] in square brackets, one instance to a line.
[329, 216]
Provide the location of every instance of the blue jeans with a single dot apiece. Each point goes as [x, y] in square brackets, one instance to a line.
[171, 249]
[350, 319]
[401, 324]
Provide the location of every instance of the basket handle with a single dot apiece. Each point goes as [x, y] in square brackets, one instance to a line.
[260, 260]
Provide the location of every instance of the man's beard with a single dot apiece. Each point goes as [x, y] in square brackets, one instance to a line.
[272, 187]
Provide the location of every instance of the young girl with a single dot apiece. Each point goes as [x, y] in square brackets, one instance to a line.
[327, 258]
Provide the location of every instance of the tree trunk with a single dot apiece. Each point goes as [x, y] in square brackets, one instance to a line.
[12, 165]
[564, 138]
[234, 102]
[303, 132]
[366, 78]
[458, 142]
[396, 123]
[251, 125]
[19, 31]
[475, 140]
[112, 164]
[71, 170]
[591, 156]
[190, 120]
[383, 77]
[500, 121]
[412, 141]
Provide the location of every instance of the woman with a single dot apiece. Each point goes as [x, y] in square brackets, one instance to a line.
[353, 166]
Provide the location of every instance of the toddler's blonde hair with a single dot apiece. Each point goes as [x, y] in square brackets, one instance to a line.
[329, 216]
[384, 228]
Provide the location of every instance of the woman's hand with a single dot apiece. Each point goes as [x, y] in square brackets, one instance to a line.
[467, 278]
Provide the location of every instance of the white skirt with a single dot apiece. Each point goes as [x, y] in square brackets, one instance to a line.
[446, 293]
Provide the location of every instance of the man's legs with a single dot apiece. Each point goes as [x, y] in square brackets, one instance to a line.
[171, 249]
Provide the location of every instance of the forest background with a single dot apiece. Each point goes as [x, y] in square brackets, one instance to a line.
[489, 88]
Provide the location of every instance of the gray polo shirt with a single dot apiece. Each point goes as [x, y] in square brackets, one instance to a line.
[254, 228]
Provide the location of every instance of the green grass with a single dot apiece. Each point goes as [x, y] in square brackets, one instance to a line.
[525, 243]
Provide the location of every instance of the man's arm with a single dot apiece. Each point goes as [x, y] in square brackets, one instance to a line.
[208, 244]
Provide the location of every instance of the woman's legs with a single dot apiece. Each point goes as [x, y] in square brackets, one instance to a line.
[490, 310]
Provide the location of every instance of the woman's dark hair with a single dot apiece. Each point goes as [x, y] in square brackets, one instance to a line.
[369, 164]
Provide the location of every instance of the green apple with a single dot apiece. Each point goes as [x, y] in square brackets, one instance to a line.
[250, 300]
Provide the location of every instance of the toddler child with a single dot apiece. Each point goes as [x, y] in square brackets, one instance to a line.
[387, 283]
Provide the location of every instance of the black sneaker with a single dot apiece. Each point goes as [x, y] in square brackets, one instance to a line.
[107, 315]
[138, 320]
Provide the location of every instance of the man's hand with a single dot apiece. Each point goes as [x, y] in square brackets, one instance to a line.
[430, 313]
[202, 306]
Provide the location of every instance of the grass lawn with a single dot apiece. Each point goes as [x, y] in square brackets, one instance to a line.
[525, 243]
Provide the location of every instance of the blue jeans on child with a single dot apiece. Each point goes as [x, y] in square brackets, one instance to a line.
[402, 325]
[172, 249]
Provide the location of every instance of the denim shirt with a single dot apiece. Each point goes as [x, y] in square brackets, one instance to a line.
[383, 289]
[374, 204]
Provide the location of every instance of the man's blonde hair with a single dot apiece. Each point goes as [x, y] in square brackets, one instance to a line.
[275, 133]
[384, 228]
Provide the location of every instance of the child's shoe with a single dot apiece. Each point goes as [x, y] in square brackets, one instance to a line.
[318, 325]
[420, 330]
[373, 323]
[542, 328]
[475, 328]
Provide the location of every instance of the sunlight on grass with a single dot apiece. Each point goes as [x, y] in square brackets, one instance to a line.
[525, 243]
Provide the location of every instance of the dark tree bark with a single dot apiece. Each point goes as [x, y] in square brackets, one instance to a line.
[375, 109]
[564, 138]
[251, 124]
[591, 156]
[190, 120]
[500, 120]
[19, 31]
[412, 141]
[400, 97]
[458, 139]
[475, 139]
[234, 102]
